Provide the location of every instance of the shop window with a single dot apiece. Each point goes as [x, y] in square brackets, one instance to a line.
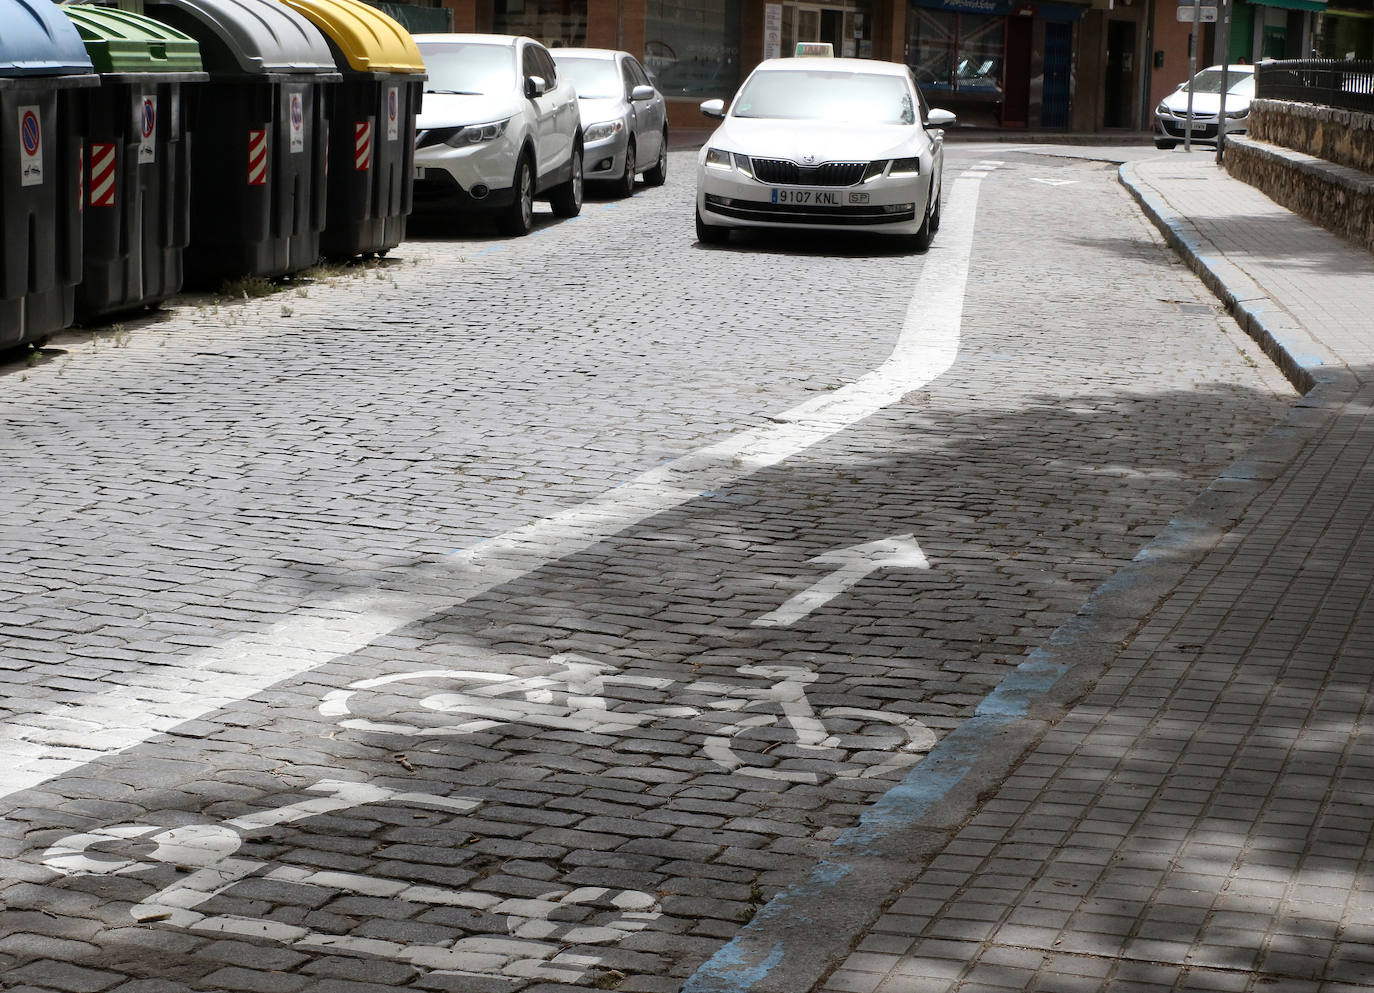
[556, 23]
[691, 47]
[957, 53]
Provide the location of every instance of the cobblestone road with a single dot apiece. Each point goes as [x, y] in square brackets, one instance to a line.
[355, 638]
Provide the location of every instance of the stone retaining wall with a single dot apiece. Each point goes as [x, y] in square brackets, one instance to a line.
[1340, 136]
[1316, 161]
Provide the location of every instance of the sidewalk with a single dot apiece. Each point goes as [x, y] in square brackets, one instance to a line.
[1177, 791]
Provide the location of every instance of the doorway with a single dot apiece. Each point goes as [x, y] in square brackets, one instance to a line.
[1117, 104]
[843, 27]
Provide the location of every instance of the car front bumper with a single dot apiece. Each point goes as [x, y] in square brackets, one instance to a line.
[605, 158]
[884, 205]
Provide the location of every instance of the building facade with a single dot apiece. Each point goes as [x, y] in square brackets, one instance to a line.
[1097, 65]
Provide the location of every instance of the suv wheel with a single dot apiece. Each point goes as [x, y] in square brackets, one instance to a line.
[518, 218]
[566, 198]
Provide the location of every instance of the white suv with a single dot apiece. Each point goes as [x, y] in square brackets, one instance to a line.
[498, 129]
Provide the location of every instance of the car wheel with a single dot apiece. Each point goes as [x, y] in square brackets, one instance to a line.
[711, 234]
[626, 185]
[920, 241]
[566, 198]
[935, 217]
[518, 218]
[658, 175]
[1164, 143]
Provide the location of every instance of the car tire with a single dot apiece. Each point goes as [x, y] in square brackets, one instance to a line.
[518, 219]
[625, 185]
[1165, 143]
[935, 217]
[920, 241]
[711, 234]
[658, 175]
[566, 198]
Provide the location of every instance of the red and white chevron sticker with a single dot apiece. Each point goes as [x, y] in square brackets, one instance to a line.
[257, 158]
[362, 145]
[102, 174]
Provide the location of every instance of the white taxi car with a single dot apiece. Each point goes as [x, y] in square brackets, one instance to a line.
[825, 144]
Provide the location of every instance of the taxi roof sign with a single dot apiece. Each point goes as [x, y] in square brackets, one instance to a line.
[815, 48]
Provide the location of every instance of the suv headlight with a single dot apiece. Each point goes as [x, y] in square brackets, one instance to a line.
[597, 132]
[476, 134]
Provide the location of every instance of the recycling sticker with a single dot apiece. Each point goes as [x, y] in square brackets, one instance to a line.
[30, 147]
[297, 123]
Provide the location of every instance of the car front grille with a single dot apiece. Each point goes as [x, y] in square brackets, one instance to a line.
[781, 172]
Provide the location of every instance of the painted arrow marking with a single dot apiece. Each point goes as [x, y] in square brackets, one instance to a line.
[856, 562]
[1053, 182]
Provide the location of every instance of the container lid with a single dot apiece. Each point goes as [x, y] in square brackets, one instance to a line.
[248, 36]
[370, 40]
[121, 42]
[37, 40]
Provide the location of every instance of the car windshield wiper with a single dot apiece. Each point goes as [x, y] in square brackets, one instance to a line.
[457, 93]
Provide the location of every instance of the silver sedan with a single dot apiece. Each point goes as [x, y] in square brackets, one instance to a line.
[624, 120]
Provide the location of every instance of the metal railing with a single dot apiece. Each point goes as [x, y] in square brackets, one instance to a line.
[1343, 83]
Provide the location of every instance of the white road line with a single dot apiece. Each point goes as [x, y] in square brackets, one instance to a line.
[121, 717]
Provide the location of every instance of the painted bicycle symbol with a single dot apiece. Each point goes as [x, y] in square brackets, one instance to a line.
[771, 732]
[538, 938]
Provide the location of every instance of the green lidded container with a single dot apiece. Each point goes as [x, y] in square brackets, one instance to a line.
[122, 42]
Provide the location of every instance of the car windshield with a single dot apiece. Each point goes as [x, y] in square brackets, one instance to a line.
[1209, 81]
[837, 96]
[469, 68]
[594, 79]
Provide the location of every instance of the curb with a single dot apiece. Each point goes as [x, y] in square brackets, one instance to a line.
[1303, 360]
[802, 934]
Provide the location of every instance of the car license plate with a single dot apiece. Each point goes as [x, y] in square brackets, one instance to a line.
[810, 198]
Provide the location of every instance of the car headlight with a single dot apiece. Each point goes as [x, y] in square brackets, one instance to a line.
[597, 132]
[475, 134]
[1238, 113]
[1163, 111]
[718, 159]
[875, 169]
[905, 168]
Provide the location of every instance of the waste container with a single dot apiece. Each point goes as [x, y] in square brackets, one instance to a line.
[372, 133]
[42, 66]
[136, 215]
[258, 154]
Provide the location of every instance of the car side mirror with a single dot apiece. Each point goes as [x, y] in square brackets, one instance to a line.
[939, 118]
[642, 93]
[713, 108]
[535, 86]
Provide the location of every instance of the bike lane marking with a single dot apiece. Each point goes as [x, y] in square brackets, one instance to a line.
[156, 701]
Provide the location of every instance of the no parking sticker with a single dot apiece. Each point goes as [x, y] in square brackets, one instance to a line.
[393, 113]
[297, 123]
[145, 112]
[30, 147]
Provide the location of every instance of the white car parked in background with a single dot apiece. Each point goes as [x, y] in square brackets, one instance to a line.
[624, 118]
[1171, 116]
[498, 129]
[827, 144]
